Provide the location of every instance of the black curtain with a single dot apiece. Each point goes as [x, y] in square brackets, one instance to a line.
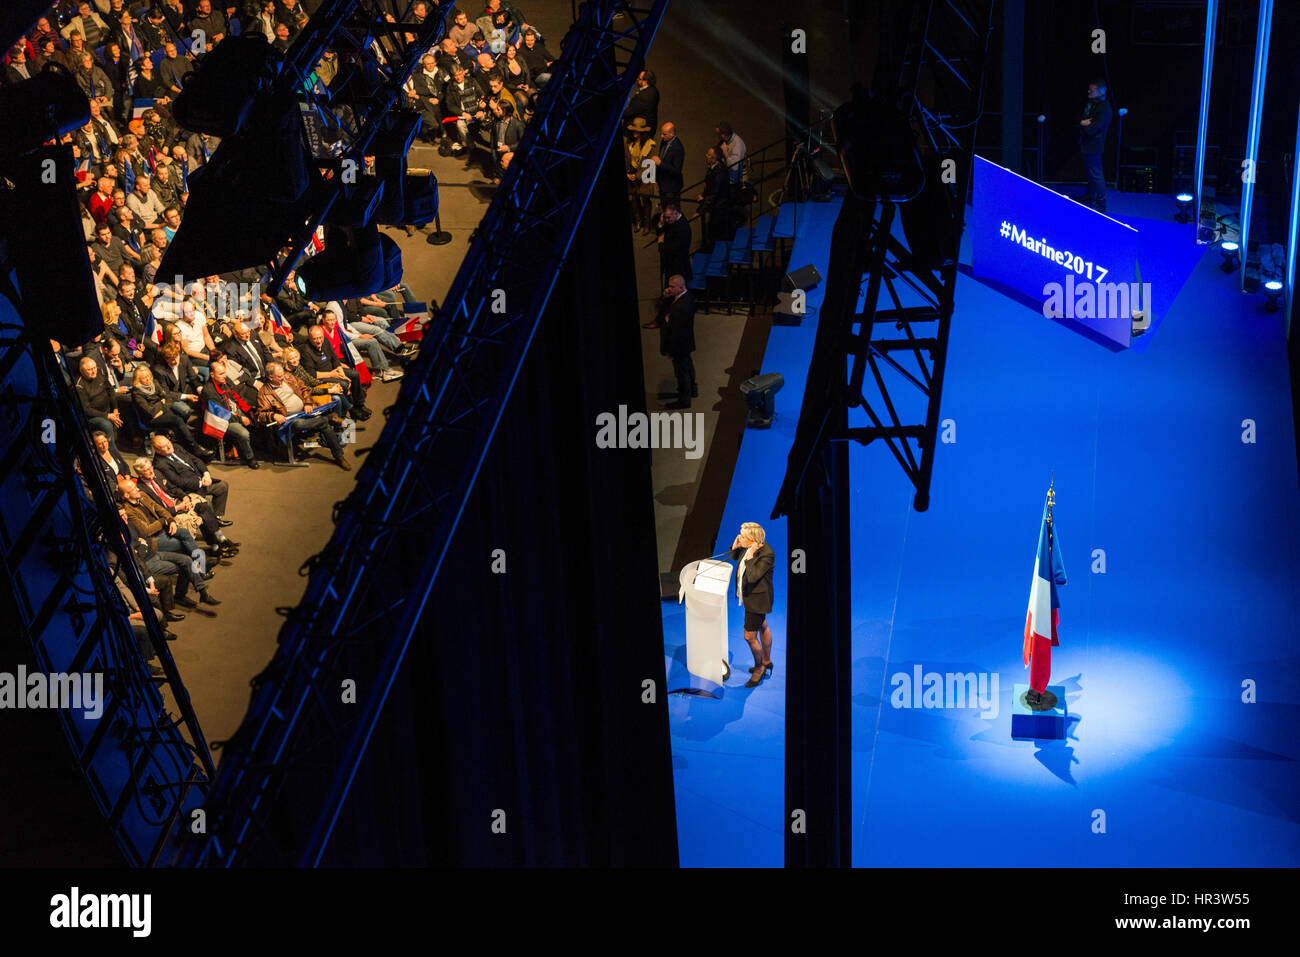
[535, 698]
[818, 734]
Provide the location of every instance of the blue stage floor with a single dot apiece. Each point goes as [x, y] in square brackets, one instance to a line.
[1163, 764]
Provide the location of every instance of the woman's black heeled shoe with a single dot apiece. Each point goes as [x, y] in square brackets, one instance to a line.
[755, 676]
[767, 670]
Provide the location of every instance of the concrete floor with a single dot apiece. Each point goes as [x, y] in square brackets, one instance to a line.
[714, 61]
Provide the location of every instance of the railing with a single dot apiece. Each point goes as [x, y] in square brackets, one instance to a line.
[770, 167]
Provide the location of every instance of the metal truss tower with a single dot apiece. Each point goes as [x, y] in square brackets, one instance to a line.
[298, 749]
[881, 348]
[62, 545]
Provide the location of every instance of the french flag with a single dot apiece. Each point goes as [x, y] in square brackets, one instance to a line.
[277, 319]
[1044, 613]
[215, 420]
[411, 328]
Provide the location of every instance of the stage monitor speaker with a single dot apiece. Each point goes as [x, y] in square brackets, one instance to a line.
[805, 278]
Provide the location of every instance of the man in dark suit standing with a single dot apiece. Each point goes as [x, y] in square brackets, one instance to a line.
[715, 202]
[677, 338]
[1092, 143]
[675, 244]
[669, 164]
[644, 101]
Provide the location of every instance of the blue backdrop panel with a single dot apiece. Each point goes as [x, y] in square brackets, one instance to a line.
[1026, 236]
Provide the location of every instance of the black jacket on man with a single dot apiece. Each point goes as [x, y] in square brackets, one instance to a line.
[98, 398]
[672, 159]
[644, 103]
[178, 478]
[675, 253]
[243, 352]
[756, 586]
[1092, 138]
[716, 205]
[677, 329]
[184, 381]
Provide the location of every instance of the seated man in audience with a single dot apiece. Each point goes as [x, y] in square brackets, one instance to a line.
[369, 339]
[425, 95]
[191, 511]
[159, 576]
[98, 400]
[167, 189]
[249, 352]
[134, 318]
[157, 522]
[162, 561]
[145, 203]
[122, 223]
[320, 359]
[101, 201]
[177, 380]
[195, 338]
[282, 396]
[183, 474]
[224, 394]
[171, 220]
[296, 308]
[461, 30]
[461, 105]
[136, 617]
[108, 250]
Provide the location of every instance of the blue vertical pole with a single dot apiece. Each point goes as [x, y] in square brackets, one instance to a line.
[1293, 231]
[1252, 136]
[1207, 67]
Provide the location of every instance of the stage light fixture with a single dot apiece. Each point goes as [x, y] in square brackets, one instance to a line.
[760, 395]
[217, 97]
[1273, 290]
[38, 184]
[354, 262]
[1184, 213]
[1230, 259]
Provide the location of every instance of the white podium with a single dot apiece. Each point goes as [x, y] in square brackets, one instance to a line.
[706, 588]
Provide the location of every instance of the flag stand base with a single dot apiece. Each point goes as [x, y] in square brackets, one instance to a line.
[1040, 702]
[1029, 722]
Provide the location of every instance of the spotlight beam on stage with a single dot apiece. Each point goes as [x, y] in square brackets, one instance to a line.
[1203, 120]
[296, 754]
[1293, 230]
[1251, 172]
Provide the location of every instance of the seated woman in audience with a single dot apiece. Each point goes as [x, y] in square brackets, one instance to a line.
[156, 413]
[109, 460]
[518, 79]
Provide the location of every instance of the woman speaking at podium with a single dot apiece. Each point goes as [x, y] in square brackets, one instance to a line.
[754, 589]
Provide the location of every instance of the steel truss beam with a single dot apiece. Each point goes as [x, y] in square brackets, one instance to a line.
[60, 549]
[368, 588]
[939, 87]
